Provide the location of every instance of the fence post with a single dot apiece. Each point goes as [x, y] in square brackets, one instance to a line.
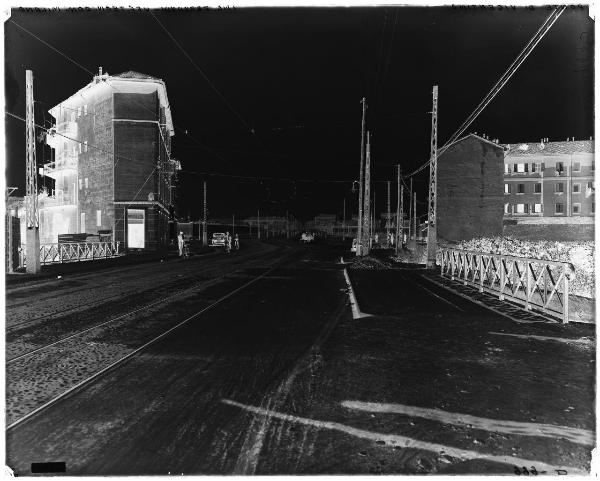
[502, 278]
[481, 273]
[527, 286]
[566, 297]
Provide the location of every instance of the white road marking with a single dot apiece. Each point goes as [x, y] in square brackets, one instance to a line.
[356, 312]
[406, 442]
[583, 340]
[575, 435]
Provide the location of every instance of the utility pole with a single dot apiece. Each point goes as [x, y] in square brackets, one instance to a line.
[410, 216]
[388, 215]
[432, 206]
[415, 219]
[400, 194]
[258, 223]
[344, 221]
[287, 224]
[359, 235]
[32, 253]
[233, 225]
[204, 232]
[367, 198]
[9, 229]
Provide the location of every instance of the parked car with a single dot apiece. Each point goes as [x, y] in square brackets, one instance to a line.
[218, 239]
[306, 237]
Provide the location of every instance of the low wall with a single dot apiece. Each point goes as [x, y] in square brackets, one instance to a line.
[549, 231]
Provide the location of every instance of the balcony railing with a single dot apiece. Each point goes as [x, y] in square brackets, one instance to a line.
[74, 252]
[533, 283]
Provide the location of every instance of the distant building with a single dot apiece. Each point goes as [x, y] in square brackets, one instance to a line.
[469, 190]
[112, 168]
[549, 179]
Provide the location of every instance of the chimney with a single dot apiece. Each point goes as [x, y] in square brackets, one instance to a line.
[100, 71]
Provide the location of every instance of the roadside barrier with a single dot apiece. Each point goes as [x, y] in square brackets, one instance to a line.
[535, 284]
[74, 252]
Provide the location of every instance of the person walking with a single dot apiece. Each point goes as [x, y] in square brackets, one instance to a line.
[237, 242]
[227, 242]
[180, 243]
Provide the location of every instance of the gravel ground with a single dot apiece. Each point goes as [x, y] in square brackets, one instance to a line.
[41, 376]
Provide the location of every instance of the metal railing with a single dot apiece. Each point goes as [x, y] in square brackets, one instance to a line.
[534, 283]
[74, 252]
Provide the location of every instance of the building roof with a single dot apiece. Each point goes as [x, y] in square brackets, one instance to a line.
[494, 144]
[136, 75]
[525, 149]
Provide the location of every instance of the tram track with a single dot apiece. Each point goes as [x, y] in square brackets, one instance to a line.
[277, 263]
[14, 326]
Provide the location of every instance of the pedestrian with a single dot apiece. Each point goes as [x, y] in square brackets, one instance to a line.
[180, 243]
[237, 242]
[227, 242]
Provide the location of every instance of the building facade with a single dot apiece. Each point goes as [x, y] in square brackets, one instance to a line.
[469, 189]
[112, 167]
[549, 179]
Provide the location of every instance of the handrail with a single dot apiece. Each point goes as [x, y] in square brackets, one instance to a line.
[63, 252]
[534, 283]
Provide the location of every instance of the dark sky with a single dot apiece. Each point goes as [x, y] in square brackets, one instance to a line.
[296, 76]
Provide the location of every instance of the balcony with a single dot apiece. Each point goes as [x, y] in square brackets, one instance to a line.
[63, 166]
[58, 198]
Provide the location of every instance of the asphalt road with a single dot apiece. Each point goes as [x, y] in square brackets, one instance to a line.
[280, 379]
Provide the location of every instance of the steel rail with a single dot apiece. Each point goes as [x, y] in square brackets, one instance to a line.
[116, 363]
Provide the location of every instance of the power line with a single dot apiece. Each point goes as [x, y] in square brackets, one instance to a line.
[525, 52]
[212, 85]
[107, 82]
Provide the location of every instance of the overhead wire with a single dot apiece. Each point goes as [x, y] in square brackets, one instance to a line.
[204, 76]
[525, 52]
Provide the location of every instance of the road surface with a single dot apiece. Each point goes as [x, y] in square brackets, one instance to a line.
[271, 374]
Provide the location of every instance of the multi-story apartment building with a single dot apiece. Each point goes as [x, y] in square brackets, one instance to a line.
[112, 165]
[549, 179]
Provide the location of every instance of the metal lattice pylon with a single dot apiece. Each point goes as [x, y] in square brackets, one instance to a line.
[31, 170]
[432, 206]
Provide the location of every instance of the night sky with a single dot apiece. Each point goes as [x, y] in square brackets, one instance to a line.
[295, 76]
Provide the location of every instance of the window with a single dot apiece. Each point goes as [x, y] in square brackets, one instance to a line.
[534, 167]
[560, 188]
[85, 146]
[72, 116]
[593, 165]
[590, 185]
[576, 166]
[536, 208]
[521, 168]
[80, 147]
[78, 111]
[86, 183]
[80, 184]
[82, 222]
[507, 208]
[507, 188]
[520, 208]
[576, 188]
[506, 168]
[560, 167]
[537, 188]
[520, 188]
[85, 109]
[559, 208]
[98, 218]
[576, 208]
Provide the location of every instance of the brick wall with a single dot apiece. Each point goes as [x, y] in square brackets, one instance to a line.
[550, 232]
[96, 165]
[470, 190]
